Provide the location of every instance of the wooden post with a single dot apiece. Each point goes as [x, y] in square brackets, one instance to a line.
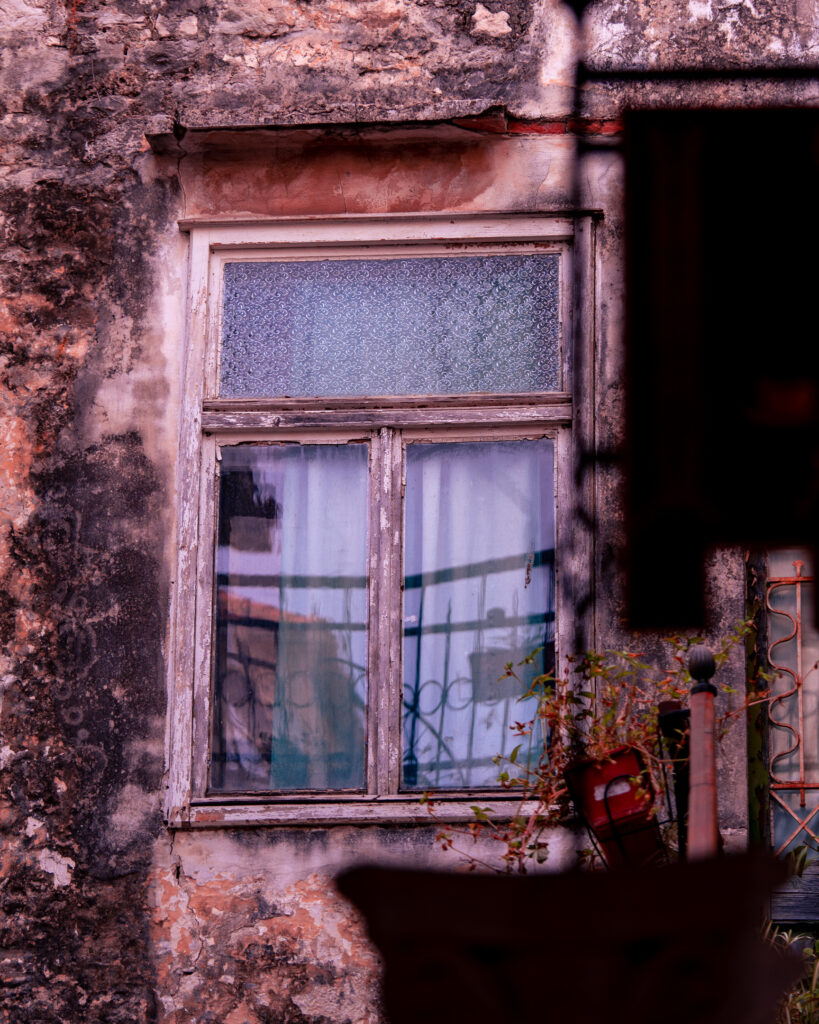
[703, 830]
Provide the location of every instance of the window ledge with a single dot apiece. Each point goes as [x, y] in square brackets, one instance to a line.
[365, 811]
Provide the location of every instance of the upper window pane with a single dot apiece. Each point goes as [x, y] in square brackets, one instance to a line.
[427, 325]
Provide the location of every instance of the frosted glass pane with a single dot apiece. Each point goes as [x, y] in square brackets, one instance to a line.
[291, 619]
[433, 325]
[478, 593]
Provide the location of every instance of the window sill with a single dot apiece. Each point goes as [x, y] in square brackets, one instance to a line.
[350, 811]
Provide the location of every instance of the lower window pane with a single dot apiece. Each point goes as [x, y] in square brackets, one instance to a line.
[479, 593]
[291, 619]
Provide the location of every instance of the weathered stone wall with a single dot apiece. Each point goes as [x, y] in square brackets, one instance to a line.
[106, 915]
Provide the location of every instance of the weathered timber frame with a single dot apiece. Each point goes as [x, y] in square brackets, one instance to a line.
[387, 425]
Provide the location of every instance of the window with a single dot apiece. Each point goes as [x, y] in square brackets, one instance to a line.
[793, 709]
[791, 744]
[376, 434]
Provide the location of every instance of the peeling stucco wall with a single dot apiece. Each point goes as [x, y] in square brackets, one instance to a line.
[107, 916]
[238, 937]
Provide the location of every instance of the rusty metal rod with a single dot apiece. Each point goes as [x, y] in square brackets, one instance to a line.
[703, 830]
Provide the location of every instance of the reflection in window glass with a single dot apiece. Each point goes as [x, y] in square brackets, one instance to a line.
[291, 618]
[479, 593]
[429, 325]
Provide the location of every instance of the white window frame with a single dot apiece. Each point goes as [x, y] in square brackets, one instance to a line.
[207, 421]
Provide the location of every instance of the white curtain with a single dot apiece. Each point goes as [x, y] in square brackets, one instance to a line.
[479, 592]
[292, 602]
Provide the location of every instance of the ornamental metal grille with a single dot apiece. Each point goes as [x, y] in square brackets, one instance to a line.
[793, 706]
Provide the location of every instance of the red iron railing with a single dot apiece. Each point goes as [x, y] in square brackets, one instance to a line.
[786, 712]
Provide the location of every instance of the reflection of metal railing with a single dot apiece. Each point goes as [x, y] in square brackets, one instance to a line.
[791, 703]
[289, 698]
[432, 707]
[438, 710]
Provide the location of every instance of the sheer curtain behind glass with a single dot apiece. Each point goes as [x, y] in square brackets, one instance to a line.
[291, 636]
[479, 592]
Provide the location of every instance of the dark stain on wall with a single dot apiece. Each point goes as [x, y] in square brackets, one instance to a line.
[73, 883]
[82, 621]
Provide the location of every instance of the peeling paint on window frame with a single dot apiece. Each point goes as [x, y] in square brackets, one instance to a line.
[206, 422]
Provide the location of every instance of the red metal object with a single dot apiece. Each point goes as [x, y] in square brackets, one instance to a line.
[616, 799]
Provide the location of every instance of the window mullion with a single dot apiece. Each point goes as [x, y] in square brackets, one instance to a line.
[375, 656]
[385, 613]
[394, 604]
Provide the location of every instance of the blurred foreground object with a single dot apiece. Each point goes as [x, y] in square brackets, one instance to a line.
[673, 945]
[722, 362]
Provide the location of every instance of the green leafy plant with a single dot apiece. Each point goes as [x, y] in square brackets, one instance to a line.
[610, 701]
[801, 1005]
